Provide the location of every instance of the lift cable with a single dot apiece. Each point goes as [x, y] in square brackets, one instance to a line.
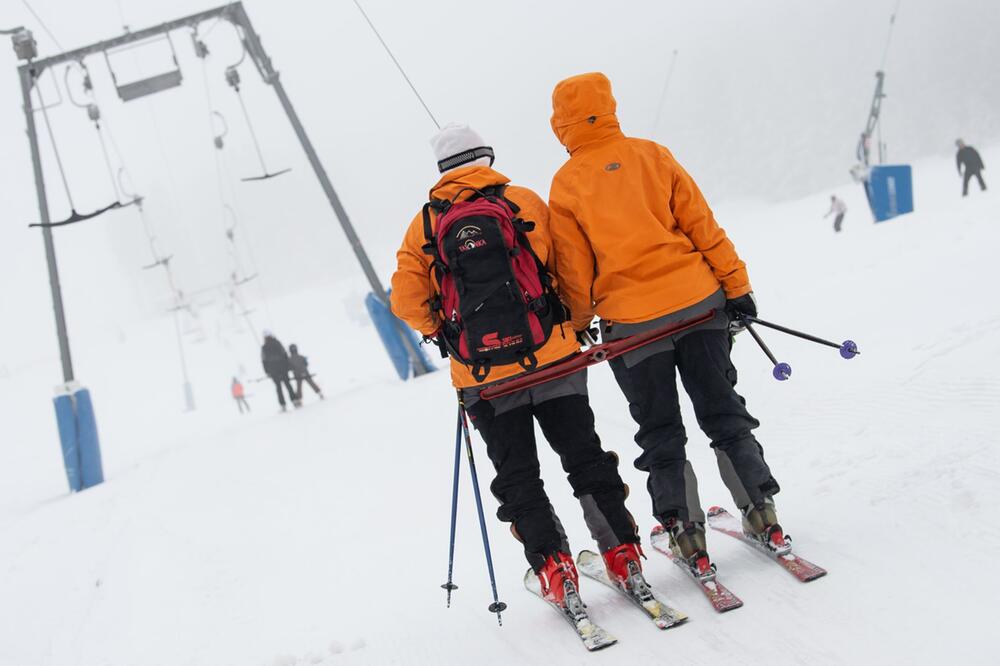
[74, 215]
[240, 276]
[42, 23]
[663, 95]
[888, 39]
[396, 62]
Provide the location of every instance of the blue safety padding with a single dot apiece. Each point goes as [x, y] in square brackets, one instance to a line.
[81, 447]
[66, 421]
[390, 330]
[890, 191]
[91, 470]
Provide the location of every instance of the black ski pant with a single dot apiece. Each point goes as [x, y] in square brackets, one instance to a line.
[837, 221]
[282, 380]
[709, 377]
[568, 424]
[308, 380]
[241, 402]
[967, 177]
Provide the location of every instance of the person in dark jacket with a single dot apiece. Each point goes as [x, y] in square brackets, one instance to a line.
[300, 370]
[276, 366]
[968, 157]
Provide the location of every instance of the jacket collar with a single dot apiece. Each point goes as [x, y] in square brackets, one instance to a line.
[468, 178]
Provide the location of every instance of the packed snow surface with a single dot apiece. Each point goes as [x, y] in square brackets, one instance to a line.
[320, 536]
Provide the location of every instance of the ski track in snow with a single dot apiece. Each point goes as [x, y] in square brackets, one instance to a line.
[320, 536]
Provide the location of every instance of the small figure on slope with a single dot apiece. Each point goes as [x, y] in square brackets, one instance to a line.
[969, 157]
[838, 209]
[239, 394]
[274, 358]
[300, 371]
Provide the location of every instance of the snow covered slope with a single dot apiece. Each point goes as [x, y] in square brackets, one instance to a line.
[320, 536]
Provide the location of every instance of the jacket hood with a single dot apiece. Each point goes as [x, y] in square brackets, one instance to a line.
[583, 111]
[470, 177]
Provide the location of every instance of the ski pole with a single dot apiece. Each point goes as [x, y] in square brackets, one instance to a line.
[449, 586]
[497, 606]
[782, 371]
[848, 348]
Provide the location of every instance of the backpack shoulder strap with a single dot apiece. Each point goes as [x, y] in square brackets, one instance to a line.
[500, 192]
[430, 247]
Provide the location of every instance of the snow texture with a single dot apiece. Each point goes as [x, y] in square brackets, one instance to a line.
[320, 536]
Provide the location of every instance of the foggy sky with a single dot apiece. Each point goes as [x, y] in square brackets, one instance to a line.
[766, 102]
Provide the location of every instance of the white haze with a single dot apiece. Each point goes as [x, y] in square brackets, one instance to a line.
[766, 102]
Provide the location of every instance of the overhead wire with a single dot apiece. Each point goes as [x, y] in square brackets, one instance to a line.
[663, 95]
[885, 58]
[55, 148]
[240, 275]
[398, 66]
[42, 23]
[888, 39]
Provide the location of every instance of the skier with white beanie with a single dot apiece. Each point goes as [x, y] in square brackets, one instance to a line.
[506, 424]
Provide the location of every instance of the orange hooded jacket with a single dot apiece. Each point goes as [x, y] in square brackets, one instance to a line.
[413, 285]
[633, 235]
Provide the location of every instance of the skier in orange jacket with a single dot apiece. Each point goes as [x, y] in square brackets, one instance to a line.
[637, 245]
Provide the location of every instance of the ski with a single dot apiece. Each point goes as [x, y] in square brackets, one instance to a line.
[591, 565]
[593, 636]
[721, 520]
[718, 595]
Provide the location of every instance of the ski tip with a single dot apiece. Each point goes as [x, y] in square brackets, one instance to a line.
[716, 511]
[814, 575]
[657, 531]
[600, 645]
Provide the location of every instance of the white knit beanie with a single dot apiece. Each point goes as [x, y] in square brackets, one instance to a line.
[457, 145]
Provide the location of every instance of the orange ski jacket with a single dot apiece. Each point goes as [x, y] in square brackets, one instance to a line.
[634, 238]
[414, 286]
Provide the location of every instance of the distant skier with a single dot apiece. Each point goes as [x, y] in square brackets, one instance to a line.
[476, 247]
[637, 244]
[239, 394]
[837, 208]
[275, 361]
[968, 157]
[300, 371]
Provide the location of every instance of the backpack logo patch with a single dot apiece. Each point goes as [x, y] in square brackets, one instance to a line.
[613, 166]
[471, 245]
[468, 232]
[493, 341]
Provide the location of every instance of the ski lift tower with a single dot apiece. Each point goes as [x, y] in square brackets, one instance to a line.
[77, 427]
[888, 187]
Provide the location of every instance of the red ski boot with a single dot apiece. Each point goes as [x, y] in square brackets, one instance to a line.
[622, 562]
[558, 578]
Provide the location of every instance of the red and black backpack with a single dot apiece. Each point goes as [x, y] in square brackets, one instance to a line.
[496, 299]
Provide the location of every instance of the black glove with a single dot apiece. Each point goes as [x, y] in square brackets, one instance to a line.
[736, 307]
